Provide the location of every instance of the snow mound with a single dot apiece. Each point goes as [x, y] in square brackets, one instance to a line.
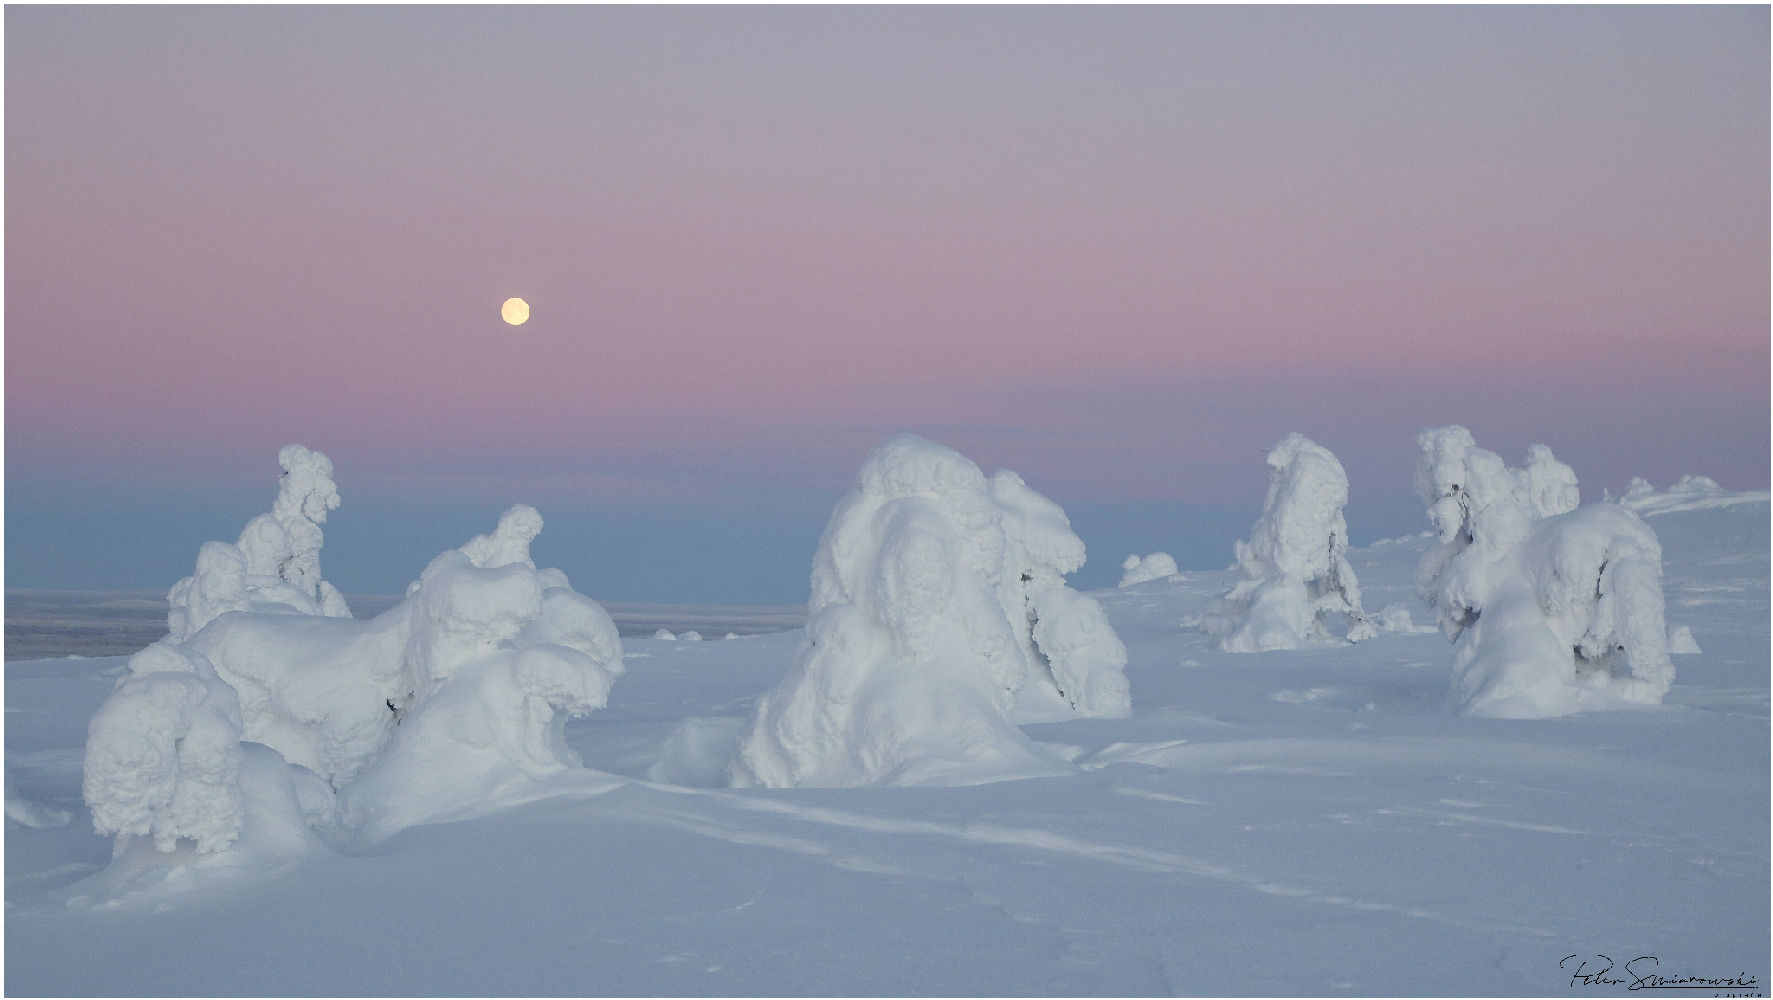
[939, 617]
[1295, 568]
[1155, 566]
[1395, 619]
[275, 565]
[1553, 608]
[459, 691]
[1688, 493]
[1681, 641]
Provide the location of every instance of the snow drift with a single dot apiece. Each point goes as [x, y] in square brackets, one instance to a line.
[1155, 566]
[1294, 568]
[939, 619]
[459, 690]
[1554, 608]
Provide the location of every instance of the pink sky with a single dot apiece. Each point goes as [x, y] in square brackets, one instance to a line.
[1119, 249]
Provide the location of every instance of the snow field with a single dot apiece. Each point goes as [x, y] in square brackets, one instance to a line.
[1272, 822]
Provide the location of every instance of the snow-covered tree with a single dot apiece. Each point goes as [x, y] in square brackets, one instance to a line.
[1155, 566]
[163, 755]
[1294, 569]
[462, 687]
[1554, 608]
[275, 566]
[939, 616]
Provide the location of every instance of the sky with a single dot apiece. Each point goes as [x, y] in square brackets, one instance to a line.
[1121, 250]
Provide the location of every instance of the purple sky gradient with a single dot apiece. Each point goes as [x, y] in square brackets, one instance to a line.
[1117, 249]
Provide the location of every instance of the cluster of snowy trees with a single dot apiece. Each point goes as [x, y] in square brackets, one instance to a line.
[377, 724]
[1553, 607]
[939, 622]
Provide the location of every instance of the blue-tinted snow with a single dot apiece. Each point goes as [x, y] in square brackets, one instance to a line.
[1307, 822]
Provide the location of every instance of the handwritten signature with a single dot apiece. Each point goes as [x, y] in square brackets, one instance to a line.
[1640, 976]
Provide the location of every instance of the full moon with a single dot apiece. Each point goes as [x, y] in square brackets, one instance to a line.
[515, 311]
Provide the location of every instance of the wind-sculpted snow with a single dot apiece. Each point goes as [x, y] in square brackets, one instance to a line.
[460, 689]
[1156, 566]
[1295, 568]
[275, 566]
[1554, 608]
[1688, 493]
[939, 617]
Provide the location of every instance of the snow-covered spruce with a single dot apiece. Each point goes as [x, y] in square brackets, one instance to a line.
[1554, 608]
[1155, 566]
[939, 618]
[275, 566]
[1294, 568]
[460, 689]
[163, 754]
[463, 686]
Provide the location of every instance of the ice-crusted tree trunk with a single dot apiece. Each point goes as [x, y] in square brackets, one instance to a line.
[938, 605]
[1294, 567]
[1553, 608]
[275, 565]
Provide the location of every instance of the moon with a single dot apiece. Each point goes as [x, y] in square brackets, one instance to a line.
[515, 311]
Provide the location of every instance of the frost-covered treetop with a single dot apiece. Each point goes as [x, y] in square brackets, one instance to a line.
[1458, 481]
[1301, 532]
[509, 542]
[1462, 484]
[306, 488]
[276, 562]
[1550, 484]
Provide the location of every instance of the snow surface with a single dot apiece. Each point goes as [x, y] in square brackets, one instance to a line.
[1296, 822]
[1294, 567]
